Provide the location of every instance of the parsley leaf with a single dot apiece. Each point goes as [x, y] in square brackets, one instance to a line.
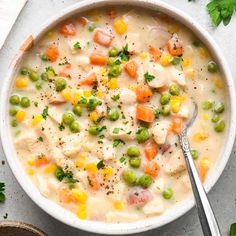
[50, 68]
[116, 142]
[77, 45]
[67, 176]
[148, 77]
[124, 53]
[100, 164]
[61, 127]
[45, 113]
[115, 97]
[2, 189]
[221, 10]
[40, 139]
[116, 130]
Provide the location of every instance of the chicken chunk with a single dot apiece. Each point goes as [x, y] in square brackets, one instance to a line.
[184, 111]
[176, 76]
[108, 152]
[124, 133]
[154, 207]
[133, 41]
[118, 192]
[55, 114]
[176, 163]
[72, 42]
[160, 131]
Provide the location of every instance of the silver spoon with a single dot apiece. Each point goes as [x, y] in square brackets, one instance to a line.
[205, 213]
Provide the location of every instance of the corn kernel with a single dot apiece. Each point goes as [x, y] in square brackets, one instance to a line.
[218, 82]
[104, 80]
[49, 169]
[37, 119]
[76, 98]
[66, 94]
[165, 59]
[203, 52]
[99, 94]
[81, 214]
[20, 115]
[120, 26]
[50, 34]
[102, 71]
[175, 105]
[143, 55]
[118, 205]
[190, 73]
[93, 116]
[200, 136]
[31, 172]
[205, 162]
[107, 172]
[87, 93]
[82, 156]
[174, 28]
[79, 195]
[133, 87]
[79, 164]
[82, 207]
[22, 82]
[113, 83]
[31, 162]
[91, 167]
[51, 74]
[205, 117]
[186, 62]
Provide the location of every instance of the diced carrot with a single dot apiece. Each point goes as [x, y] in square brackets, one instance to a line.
[177, 125]
[52, 53]
[67, 66]
[63, 74]
[152, 169]
[150, 150]
[203, 168]
[94, 181]
[156, 54]
[145, 113]
[68, 29]
[40, 161]
[82, 21]
[131, 68]
[143, 93]
[111, 13]
[163, 89]
[65, 195]
[90, 80]
[98, 59]
[175, 46]
[102, 38]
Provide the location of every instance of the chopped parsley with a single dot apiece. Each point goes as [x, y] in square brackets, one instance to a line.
[61, 127]
[117, 130]
[2, 194]
[40, 139]
[148, 77]
[100, 164]
[63, 63]
[50, 68]
[124, 53]
[92, 27]
[122, 159]
[117, 142]
[45, 113]
[77, 45]
[66, 176]
[83, 100]
[115, 97]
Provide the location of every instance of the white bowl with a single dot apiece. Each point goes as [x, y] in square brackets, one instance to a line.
[112, 228]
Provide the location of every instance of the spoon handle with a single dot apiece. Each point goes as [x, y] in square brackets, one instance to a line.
[205, 213]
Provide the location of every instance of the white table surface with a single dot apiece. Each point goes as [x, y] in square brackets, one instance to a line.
[20, 207]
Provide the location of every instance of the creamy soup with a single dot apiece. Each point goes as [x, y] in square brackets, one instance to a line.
[96, 109]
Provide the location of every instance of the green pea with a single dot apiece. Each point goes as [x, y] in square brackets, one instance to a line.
[60, 84]
[135, 162]
[24, 71]
[14, 100]
[194, 154]
[74, 127]
[25, 102]
[145, 181]
[168, 193]
[129, 177]
[94, 130]
[77, 110]
[176, 60]
[68, 118]
[113, 115]
[111, 61]
[215, 118]
[113, 52]
[13, 111]
[207, 105]
[133, 151]
[14, 123]
[165, 98]
[165, 110]
[157, 113]
[38, 85]
[92, 104]
[174, 90]
[142, 135]
[219, 107]
[33, 76]
[44, 57]
[220, 126]
[44, 76]
[212, 67]
[114, 71]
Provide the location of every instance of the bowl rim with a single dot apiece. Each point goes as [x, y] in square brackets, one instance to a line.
[102, 227]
